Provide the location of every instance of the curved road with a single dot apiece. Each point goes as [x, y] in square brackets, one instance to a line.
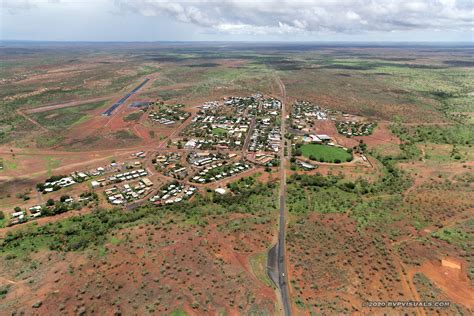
[276, 265]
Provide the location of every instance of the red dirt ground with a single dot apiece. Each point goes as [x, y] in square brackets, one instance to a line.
[454, 283]
[151, 269]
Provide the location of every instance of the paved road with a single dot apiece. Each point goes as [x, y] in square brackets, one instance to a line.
[249, 134]
[276, 265]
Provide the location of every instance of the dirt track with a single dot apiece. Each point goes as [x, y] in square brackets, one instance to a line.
[32, 121]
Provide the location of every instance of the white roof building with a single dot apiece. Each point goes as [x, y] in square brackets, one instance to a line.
[221, 190]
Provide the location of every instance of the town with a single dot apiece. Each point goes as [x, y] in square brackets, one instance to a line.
[224, 140]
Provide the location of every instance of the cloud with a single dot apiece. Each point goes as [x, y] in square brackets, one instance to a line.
[311, 16]
[18, 6]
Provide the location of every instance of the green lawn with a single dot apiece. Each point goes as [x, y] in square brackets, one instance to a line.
[325, 153]
[219, 131]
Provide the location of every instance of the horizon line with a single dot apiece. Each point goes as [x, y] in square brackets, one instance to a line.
[413, 43]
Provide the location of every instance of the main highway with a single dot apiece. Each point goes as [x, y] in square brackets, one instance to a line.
[276, 265]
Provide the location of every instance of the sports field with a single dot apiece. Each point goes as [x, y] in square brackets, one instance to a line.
[325, 153]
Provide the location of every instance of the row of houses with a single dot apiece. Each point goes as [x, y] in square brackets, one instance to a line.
[163, 161]
[265, 139]
[169, 114]
[219, 171]
[55, 183]
[128, 192]
[351, 128]
[130, 175]
[19, 215]
[304, 113]
[173, 193]
[225, 125]
[200, 159]
[207, 144]
[178, 171]
[218, 129]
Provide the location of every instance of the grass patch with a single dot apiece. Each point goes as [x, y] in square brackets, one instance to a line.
[325, 153]
[49, 140]
[66, 117]
[125, 135]
[9, 164]
[114, 240]
[218, 131]
[133, 117]
[460, 235]
[178, 312]
[51, 164]
[377, 212]
[258, 263]
[452, 134]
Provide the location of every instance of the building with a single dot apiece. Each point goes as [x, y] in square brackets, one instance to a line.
[306, 165]
[147, 182]
[312, 139]
[190, 144]
[221, 190]
[324, 137]
[95, 184]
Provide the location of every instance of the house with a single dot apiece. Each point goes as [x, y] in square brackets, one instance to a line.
[306, 165]
[81, 175]
[95, 184]
[35, 209]
[221, 190]
[190, 144]
[324, 137]
[17, 214]
[147, 182]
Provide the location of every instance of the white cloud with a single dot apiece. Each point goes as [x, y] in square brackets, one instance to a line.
[311, 16]
[18, 6]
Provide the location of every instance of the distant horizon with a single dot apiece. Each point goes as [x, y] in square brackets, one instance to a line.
[373, 42]
[365, 21]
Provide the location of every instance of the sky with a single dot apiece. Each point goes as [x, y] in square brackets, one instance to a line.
[233, 20]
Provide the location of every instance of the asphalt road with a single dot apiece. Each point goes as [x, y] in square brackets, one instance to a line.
[276, 264]
[249, 134]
